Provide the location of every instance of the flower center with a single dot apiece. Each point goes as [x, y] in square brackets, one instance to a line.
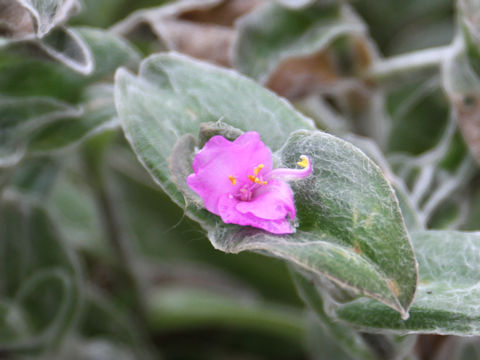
[246, 191]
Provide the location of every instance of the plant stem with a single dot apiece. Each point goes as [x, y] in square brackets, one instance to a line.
[408, 63]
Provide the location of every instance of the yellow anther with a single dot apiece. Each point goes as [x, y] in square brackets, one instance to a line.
[304, 162]
[260, 182]
[256, 180]
[232, 179]
[257, 169]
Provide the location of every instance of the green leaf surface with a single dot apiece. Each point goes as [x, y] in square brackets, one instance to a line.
[73, 207]
[420, 116]
[109, 51]
[409, 212]
[407, 207]
[36, 177]
[338, 335]
[351, 229]
[353, 344]
[102, 320]
[448, 291]
[39, 125]
[98, 115]
[21, 117]
[31, 76]
[66, 46]
[36, 76]
[469, 13]
[273, 33]
[174, 308]
[95, 349]
[39, 278]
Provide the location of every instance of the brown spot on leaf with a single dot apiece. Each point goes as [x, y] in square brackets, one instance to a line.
[394, 287]
[356, 248]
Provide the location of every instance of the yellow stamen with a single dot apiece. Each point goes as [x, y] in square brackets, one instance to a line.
[304, 162]
[256, 180]
[233, 179]
[257, 169]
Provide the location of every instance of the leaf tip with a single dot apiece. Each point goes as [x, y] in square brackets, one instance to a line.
[404, 315]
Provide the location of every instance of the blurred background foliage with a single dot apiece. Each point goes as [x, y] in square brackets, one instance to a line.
[98, 263]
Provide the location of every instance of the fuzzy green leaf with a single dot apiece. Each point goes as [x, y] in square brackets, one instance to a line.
[98, 115]
[37, 124]
[67, 47]
[183, 307]
[448, 291]
[351, 229]
[22, 117]
[39, 278]
[53, 80]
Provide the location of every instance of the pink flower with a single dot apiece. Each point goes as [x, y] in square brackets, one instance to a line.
[236, 181]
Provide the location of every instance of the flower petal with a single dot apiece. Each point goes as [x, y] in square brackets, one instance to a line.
[228, 212]
[273, 201]
[220, 159]
[247, 147]
[210, 152]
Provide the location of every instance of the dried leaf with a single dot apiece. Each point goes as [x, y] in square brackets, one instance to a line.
[202, 41]
[223, 14]
[297, 77]
[202, 29]
[15, 21]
